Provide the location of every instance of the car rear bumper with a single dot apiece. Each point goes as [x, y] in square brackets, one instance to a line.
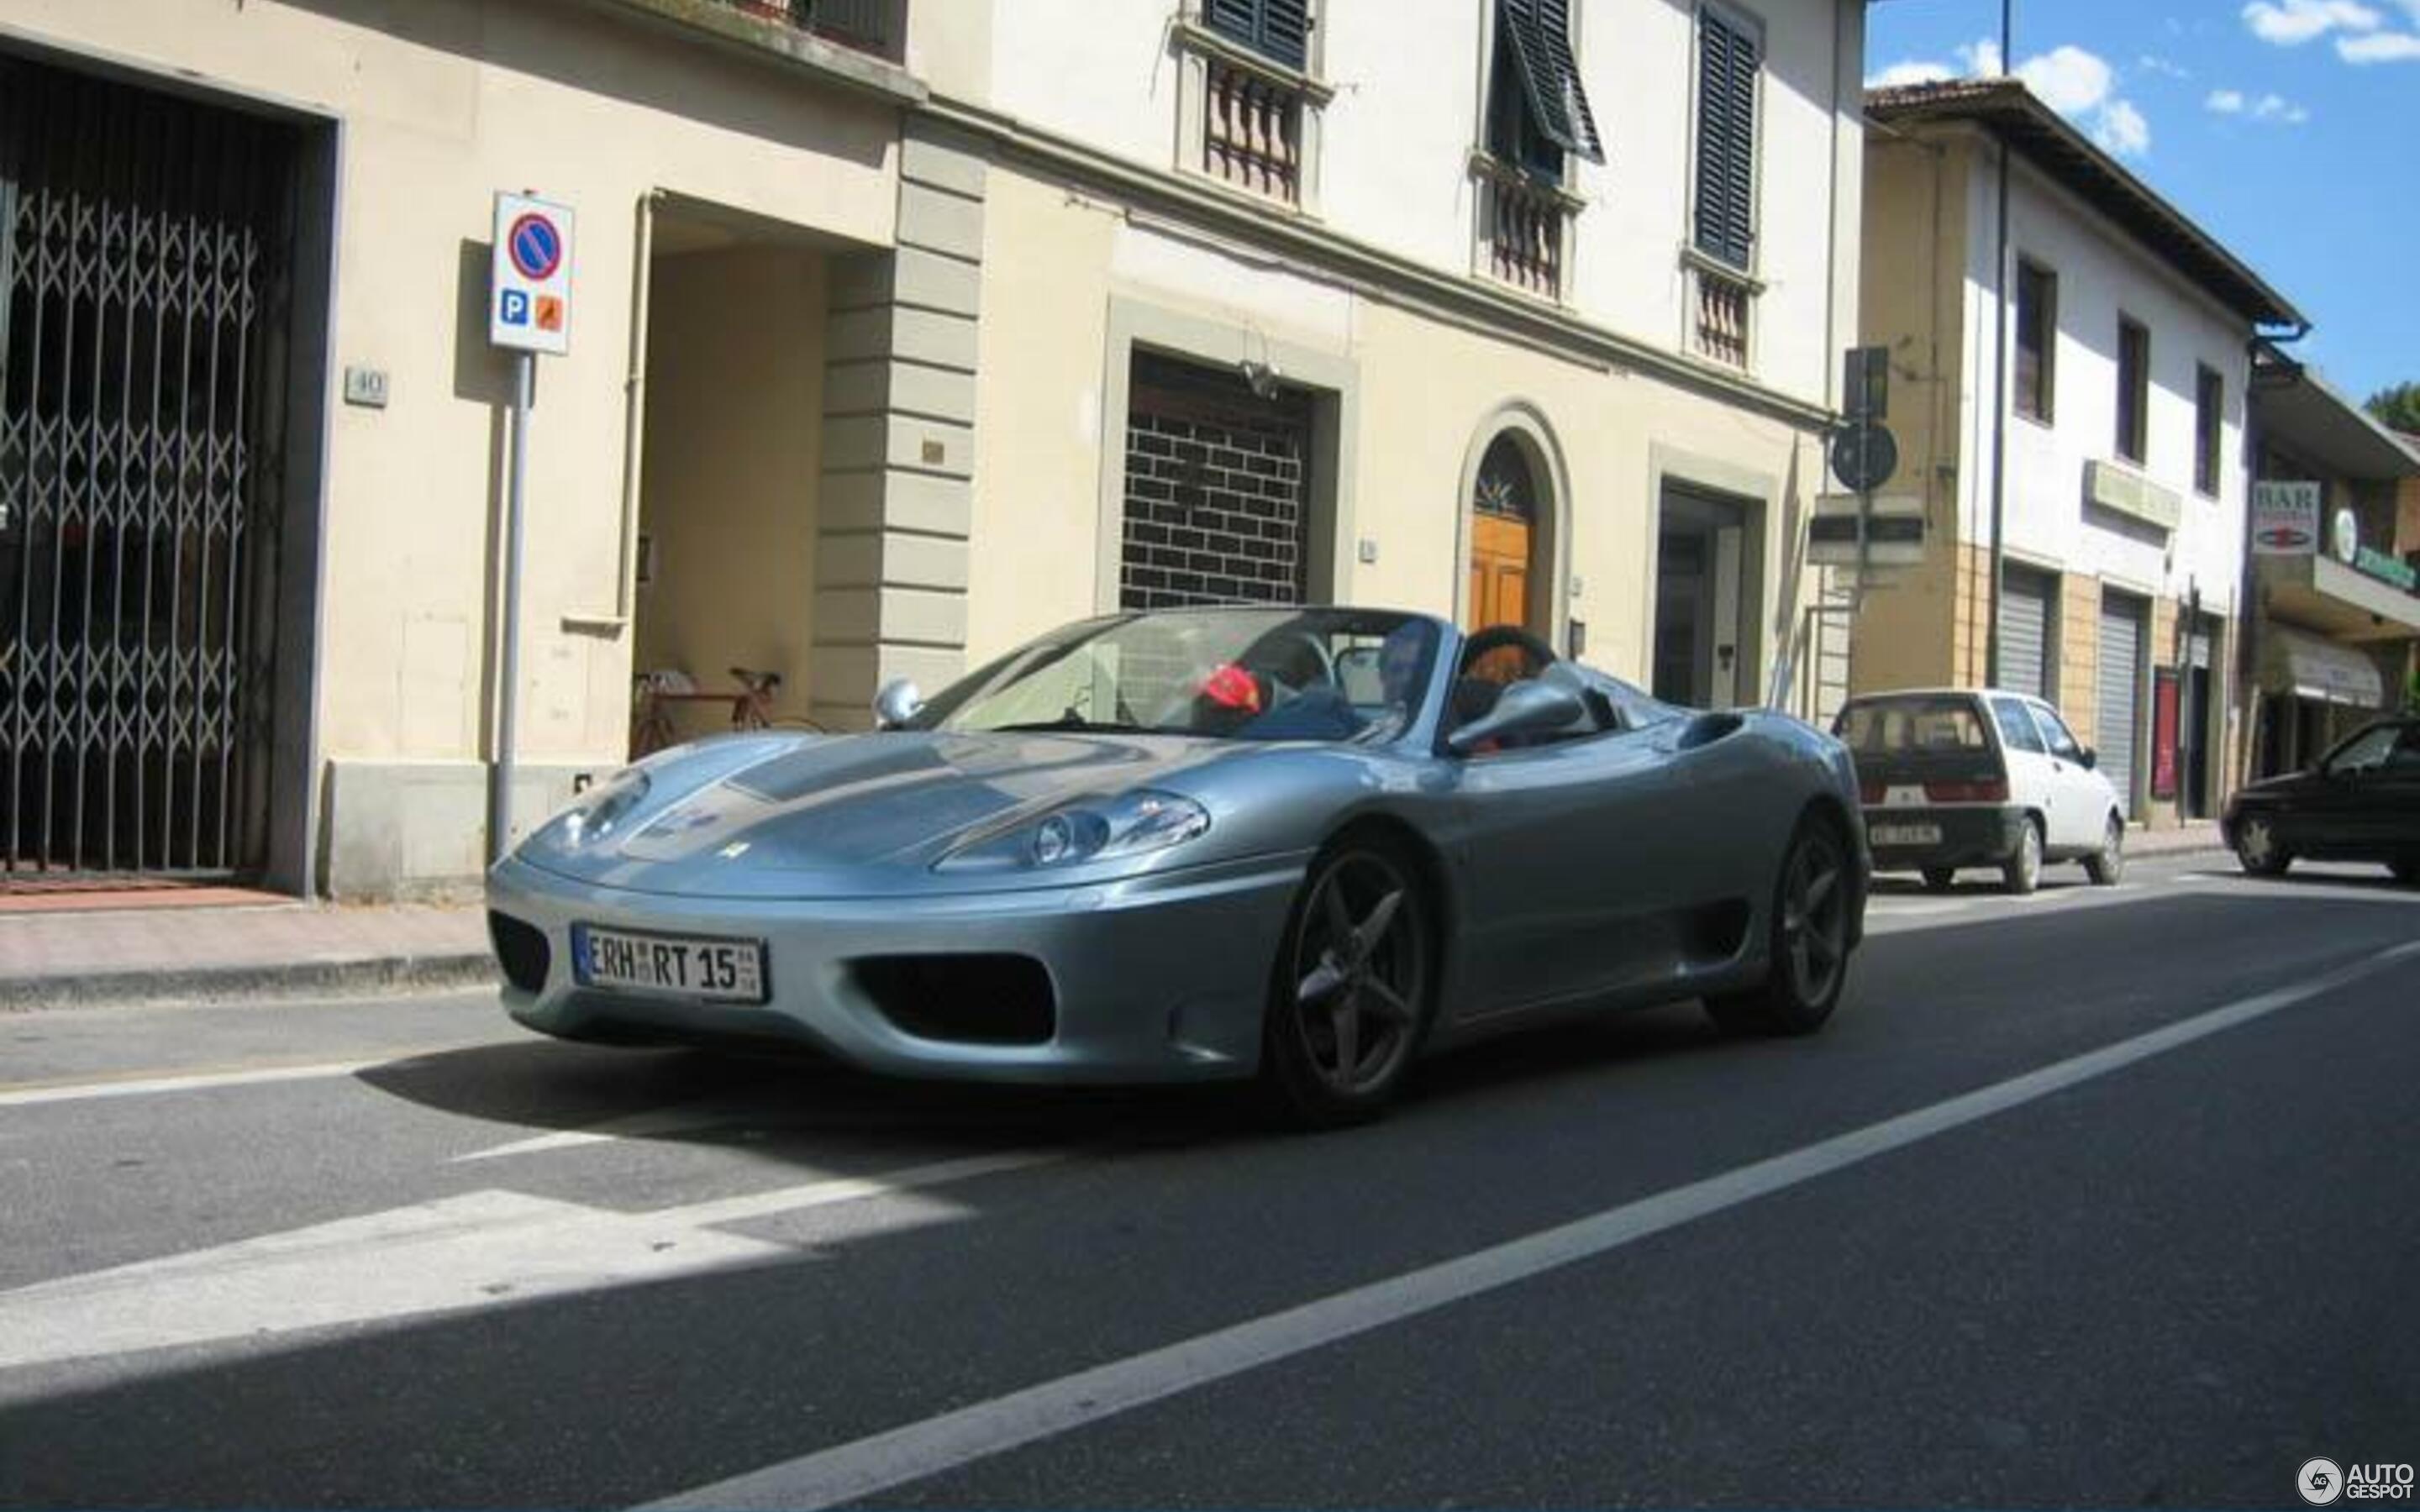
[1161, 978]
[1966, 834]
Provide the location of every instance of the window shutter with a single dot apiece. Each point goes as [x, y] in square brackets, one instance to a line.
[1278, 30]
[1538, 34]
[1727, 61]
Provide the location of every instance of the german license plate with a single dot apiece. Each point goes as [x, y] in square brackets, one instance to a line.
[688, 965]
[1903, 834]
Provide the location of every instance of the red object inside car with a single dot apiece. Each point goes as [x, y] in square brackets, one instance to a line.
[1233, 687]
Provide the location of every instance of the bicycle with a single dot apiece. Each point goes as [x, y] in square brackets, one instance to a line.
[653, 695]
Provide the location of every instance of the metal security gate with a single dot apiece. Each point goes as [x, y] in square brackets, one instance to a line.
[2024, 632]
[144, 280]
[2118, 707]
[1218, 490]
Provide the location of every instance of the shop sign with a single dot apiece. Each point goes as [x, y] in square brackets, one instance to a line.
[2285, 519]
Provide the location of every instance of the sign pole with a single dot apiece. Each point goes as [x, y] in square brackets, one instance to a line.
[500, 773]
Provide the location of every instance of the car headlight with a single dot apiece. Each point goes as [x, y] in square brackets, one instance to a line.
[595, 813]
[1089, 829]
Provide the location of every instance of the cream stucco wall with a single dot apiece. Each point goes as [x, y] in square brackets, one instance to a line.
[1421, 390]
[439, 103]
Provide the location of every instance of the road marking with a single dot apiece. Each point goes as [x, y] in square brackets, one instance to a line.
[867, 1467]
[31, 1094]
[681, 1117]
[480, 1249]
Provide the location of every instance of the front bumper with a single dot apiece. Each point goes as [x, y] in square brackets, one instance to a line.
[1158, 977]
[1971, 835]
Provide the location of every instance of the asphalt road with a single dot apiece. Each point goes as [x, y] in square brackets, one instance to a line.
[2103, 1196]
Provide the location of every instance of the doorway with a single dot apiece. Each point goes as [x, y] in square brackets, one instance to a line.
[1702, 648]
[1504, 538]
[149, 314]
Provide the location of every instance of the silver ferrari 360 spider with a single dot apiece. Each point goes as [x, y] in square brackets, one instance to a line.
[1305, 845]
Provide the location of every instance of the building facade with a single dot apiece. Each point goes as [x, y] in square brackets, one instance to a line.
[2336, 616]
[2104, 457]
[900, 329]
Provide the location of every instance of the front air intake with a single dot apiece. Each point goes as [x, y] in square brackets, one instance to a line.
[962, 999]
[521, 949]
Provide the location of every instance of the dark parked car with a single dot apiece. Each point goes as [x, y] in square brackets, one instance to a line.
[1960, 777]
[2360, 803]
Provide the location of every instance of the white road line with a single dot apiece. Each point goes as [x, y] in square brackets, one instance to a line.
[480, 1249]
[34, 1094]
[867, 1467]
[680, 1117]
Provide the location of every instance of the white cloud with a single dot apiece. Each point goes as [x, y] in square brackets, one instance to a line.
[2150, 63]
[2121, 129]
[2069, 80]
[2382, 47]
[2272, 109]
[1979, 59]
[2292, 23]
[1900, 75]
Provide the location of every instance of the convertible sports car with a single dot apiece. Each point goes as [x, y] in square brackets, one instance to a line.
[1303, 845]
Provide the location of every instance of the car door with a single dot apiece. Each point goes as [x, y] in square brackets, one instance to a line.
[2346, 812]
[1564, 858]
[2085, 797]
[2399, 807]
[2033, 781]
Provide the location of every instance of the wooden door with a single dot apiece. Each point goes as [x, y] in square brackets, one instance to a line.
[1499, 571]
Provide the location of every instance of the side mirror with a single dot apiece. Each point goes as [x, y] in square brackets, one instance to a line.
[1525, 709]
[897, 703]
[2089, 757]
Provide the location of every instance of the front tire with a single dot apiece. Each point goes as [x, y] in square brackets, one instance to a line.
[1808, 960]
[2257, 851]
[2107, 865]
[1349, 995]
[2022, 872]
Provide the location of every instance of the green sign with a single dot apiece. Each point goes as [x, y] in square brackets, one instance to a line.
[2385, 568]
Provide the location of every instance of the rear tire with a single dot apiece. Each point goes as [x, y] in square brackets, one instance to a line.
[2107, 865]
[1349, 992]
[2022, 872]
[1807, 958]
[1937, 878]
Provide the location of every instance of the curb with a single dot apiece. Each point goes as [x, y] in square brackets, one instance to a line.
[253, 982]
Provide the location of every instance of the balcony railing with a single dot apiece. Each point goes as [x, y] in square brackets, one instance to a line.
[1252, 131]
[1722, 320]
[1523, 222]
[867, 25]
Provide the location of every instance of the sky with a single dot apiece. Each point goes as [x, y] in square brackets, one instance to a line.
[2286, 128]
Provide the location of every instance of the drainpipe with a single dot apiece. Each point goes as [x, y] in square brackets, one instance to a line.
[1999, 375]
[634, 412]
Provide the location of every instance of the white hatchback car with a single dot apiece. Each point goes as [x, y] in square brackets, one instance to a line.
[1962, 777]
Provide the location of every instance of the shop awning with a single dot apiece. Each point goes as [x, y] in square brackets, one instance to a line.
[2297, 662]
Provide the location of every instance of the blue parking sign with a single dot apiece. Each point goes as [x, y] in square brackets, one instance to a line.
[515, 306]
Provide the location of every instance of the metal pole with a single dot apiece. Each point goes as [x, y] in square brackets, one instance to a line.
[1999, 378]
[500, 773]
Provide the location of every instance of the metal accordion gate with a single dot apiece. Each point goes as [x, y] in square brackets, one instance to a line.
[145, 288]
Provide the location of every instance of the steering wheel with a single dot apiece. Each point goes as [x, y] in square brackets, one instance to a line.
[1536, 656]
[1320, 654]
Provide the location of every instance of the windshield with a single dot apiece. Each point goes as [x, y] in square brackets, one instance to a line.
[1227, 674]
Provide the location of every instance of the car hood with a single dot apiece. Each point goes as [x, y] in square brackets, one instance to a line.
[2276, 788]
[834, 816]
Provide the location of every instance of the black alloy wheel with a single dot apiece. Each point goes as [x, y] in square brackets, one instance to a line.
[1810, 951]
[1349, 1001]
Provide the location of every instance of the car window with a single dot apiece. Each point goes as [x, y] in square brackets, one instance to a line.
[2366, 751]
[1896, 726]
[2063, 743]
[2017, 730]
[2406, 755]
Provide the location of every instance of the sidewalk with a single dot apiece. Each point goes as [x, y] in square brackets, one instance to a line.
[226, 952]
[280, 948]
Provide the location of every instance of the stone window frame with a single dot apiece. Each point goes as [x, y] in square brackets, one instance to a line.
[1200, 51]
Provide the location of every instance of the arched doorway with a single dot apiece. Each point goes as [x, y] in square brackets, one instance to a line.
[1504, 537]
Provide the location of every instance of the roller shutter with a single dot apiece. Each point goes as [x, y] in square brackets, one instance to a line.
[2024, 633]
[2120, 694]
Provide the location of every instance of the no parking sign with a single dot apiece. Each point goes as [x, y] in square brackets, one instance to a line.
[528, 301]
